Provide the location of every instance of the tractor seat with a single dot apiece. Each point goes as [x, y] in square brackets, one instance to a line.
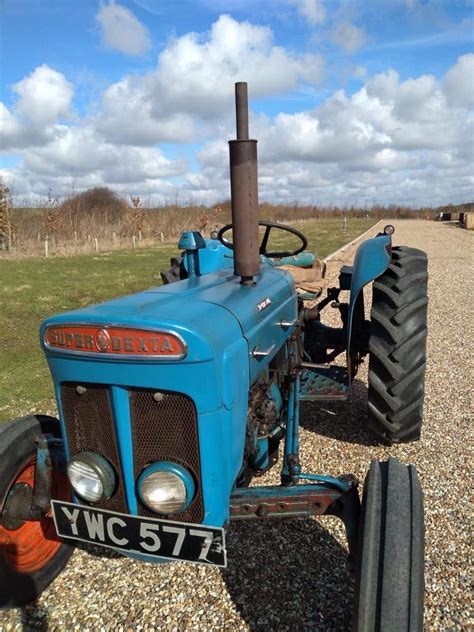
[308, 280]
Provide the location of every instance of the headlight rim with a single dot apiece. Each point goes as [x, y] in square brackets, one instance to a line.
[169, 467]
[101, 467]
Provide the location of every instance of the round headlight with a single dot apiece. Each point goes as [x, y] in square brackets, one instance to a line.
[91, 476]
[166, 488]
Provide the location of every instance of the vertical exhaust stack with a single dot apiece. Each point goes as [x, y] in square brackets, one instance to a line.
[244, 193]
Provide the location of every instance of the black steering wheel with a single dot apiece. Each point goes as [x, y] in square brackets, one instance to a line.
[264, 242]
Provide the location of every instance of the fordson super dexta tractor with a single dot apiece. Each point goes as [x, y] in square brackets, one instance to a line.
[173, 400]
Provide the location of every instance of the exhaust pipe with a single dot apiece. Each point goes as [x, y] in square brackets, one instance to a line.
[244, 193]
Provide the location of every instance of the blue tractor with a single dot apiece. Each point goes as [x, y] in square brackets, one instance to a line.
[171, 401]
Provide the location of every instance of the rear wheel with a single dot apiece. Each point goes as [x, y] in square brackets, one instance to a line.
[31, 555]
[397, 347]
[390, 561]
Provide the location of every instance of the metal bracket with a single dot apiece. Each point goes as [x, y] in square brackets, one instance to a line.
[24, 503]
[281, 502]
[258, 503]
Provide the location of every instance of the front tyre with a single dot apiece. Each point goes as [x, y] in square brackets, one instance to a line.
[390, 561]
[397, 347]
[31, 555]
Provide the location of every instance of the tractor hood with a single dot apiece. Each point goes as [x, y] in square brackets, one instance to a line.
[207, 313]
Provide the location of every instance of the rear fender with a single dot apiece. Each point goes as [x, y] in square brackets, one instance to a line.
[371, 260]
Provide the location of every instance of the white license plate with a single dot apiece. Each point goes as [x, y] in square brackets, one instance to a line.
[148, 536]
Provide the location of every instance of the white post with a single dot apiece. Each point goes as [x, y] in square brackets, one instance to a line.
[139, 235]
[344, 222]
[46, 249]
[96, 244]
[134, 241]
[75, 235]
[161, 237]
[114, 236]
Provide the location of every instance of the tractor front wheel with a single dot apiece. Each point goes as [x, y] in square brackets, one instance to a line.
[390, 558]
[31, 554]
[397, 347]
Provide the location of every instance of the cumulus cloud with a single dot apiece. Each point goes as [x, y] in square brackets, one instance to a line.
[43, 98]
[459, 82]
[82, 156]
[392, 140]
[194, 81]
[82, 151]
[312, 10]
[121, 30]
[348, 36]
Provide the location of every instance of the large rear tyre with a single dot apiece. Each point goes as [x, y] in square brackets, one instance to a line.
[31, 555]
[390, 561]
[397, 347]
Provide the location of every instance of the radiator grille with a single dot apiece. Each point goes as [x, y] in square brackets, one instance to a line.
[166, 430]
[90, 426]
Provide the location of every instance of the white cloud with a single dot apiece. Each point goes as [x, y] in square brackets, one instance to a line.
[82, 151]
[459, 82]
[195, 79]
[121, 30]
[44, 96]
[132, 100]
[402, 141]
[312, 10]
[392, 141]
[10, 128]
[198, 76]
[348, 36]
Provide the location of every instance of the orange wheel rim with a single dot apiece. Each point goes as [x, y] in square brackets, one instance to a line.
[30, 547]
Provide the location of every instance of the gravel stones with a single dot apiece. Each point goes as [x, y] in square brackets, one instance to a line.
[291, 574]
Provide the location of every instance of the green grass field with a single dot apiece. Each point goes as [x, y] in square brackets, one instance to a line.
[33, 289]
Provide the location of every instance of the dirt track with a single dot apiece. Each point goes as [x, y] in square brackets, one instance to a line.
[291, 575]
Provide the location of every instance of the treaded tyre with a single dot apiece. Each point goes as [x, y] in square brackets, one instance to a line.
[397, 347]
[31, 555]
[389, 587]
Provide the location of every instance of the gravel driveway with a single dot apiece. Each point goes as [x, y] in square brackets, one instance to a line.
[291, 575]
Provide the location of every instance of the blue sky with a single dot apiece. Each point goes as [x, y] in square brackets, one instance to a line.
[352, 102]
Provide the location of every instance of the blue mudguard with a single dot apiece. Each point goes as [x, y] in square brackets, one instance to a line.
[371, 260]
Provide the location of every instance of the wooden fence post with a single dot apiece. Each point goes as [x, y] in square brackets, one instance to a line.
[46, 247]
[96, 244]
